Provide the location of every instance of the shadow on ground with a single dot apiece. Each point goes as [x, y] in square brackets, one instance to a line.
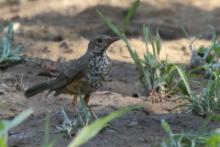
[168, 20]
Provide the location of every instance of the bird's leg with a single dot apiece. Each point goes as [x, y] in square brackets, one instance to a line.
[86, 99]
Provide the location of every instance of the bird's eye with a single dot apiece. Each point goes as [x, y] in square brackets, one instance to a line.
[99, 40]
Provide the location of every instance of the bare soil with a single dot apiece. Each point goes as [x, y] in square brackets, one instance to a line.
[60, 30]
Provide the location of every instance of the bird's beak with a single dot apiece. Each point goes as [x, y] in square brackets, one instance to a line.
[113, 39]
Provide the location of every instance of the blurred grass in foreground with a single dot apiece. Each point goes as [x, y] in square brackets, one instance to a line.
[183, 139]
[6, 125]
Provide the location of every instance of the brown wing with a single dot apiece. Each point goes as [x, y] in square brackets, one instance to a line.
[69, 72]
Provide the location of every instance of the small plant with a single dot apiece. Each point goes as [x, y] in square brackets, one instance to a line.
[211, 55]
[6, 125]
[9, 51]
[206, 58]
[208, 101]
[82, 119]
[156, 76]
[210, 139]
[68, 125]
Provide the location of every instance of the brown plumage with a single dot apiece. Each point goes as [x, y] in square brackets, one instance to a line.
[81, 76]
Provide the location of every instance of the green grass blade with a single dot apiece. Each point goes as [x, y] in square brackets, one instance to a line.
[110, 24]
[3, 141]
[146, 33]
[1, 27]
[115, 29]
[6, 48]
[158, 44]
[20, 118]
[206, 54]
[213, 140]
[6, 125]
[46, 132]
[166, 126]
[185, 31]
[91, 130]
[154, 49]
[131, 11]
[184, 79]
[10, 32]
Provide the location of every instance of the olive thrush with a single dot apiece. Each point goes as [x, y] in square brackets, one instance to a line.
[83, 75]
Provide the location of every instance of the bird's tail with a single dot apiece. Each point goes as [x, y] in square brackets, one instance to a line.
[37, 89]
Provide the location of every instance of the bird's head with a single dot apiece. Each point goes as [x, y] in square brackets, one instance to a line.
[99, 44]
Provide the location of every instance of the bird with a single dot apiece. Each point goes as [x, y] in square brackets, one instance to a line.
[81, 76]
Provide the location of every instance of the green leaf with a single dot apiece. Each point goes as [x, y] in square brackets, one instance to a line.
[166, 126]
[10, 31]
[92, 130]
[6, 47]
[158, 44]
[16, 121]
[20, 118]
[213, 140]
[146, 33]
[3, 141]
[185, 32]
[2, 125]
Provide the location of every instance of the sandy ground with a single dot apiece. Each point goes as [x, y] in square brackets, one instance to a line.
[60, 30]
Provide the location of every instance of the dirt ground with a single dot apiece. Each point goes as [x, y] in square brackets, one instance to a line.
[60, 30]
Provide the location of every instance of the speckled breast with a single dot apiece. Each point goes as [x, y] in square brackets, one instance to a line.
[99, 67]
